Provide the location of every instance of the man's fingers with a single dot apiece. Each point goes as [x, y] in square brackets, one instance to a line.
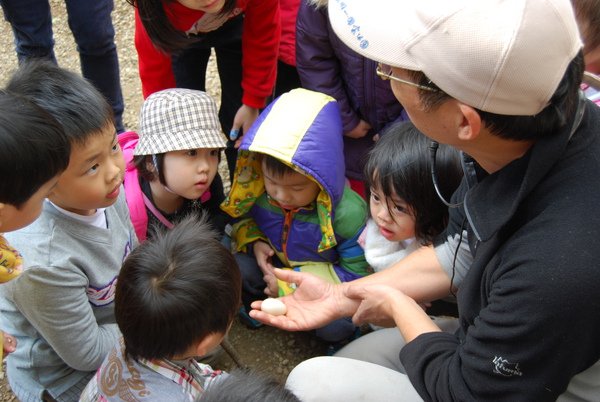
[354, 292]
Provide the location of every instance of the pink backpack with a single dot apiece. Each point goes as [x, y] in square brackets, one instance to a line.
[131, 182]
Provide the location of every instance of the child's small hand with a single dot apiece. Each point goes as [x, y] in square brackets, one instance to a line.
[263, 253]
[272, 289]
[244, 118]
[9, 343]
[361, 129]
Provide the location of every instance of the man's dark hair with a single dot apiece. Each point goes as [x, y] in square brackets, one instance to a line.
[161, 31]
[275, 167]
[560, 110]
[68, 97]
[247, 386]
[175, 289]
[400, 164]
[33, 148]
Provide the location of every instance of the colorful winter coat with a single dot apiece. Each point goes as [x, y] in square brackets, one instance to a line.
[302, 129]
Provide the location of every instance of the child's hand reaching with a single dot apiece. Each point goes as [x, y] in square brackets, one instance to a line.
[263, 253]
[361, 129]
[244, 118]
[272, 289]
[9, 343]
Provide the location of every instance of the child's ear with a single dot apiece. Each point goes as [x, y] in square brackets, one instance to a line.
[208, 343]
[149, 165]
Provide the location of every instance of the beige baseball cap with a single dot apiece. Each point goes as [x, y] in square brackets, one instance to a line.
[500, 56]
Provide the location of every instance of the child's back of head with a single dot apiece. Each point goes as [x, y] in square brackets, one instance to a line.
[176, 289]
[400, 167]
[248, 386]
[33, 149]
[72, 100]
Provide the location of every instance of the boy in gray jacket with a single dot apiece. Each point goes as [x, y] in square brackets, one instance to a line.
[61, 308]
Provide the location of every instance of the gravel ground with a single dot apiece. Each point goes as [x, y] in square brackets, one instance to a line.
[268, 349]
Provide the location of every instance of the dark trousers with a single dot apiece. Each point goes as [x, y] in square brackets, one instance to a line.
[287, 79]
[91, 25]
[189, 68]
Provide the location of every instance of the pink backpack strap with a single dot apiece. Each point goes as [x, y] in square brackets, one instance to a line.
[133, 191]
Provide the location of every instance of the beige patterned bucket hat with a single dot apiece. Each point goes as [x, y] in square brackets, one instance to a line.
[177, 119]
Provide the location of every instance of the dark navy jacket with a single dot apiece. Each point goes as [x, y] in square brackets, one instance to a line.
[529, 304]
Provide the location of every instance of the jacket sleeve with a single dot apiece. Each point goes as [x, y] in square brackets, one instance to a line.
[260, 46]
[507, 351]
[155, 68]
[245, 232]
[318, 67]
[352, 264]
[349, 223]
[66, 322]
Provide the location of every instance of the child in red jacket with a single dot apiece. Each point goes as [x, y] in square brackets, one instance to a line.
[174, 41]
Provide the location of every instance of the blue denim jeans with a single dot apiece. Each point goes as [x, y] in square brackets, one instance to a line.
[91, 24]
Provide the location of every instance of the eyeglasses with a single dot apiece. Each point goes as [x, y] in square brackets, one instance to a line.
[385, 73]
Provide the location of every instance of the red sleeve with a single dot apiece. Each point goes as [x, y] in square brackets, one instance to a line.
[260, 45]
[154, 66]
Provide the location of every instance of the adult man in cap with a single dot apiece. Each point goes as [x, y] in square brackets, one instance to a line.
[498, 80]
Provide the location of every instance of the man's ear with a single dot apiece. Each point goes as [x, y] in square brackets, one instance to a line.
[470, 126]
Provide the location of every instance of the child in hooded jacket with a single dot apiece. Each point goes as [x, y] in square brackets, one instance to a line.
[289, 189]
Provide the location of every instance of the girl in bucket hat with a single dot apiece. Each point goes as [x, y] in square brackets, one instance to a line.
[172, 164]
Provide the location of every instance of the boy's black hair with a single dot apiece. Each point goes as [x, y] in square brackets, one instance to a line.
[33, 148]
[71, 99]
[560, 110]
[247, 386]
[161, 31]
[400, 164]
[175, 289]
[275, 167]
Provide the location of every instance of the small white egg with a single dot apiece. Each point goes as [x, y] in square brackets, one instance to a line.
[273, 306]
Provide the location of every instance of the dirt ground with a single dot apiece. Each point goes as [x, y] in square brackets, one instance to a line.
[268, 349]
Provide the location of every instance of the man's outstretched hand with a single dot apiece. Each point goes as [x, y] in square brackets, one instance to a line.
[313, 304]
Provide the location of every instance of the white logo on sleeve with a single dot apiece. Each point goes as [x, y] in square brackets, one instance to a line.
[104, 295]
[506, 368]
